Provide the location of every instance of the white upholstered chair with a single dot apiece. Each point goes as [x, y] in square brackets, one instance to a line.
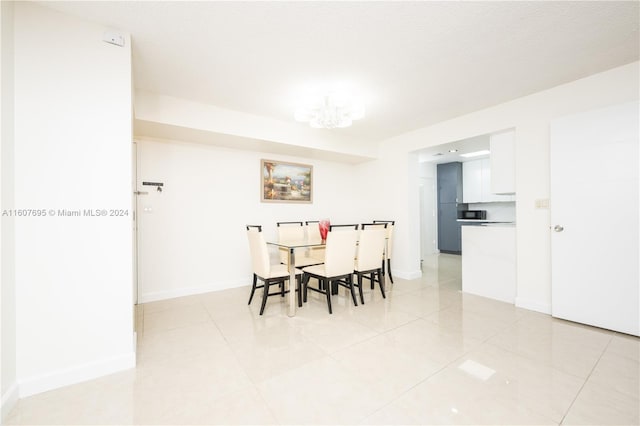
[338, 265]
[313, 233]
[390, 225]
[370, 249]
[294, 231]
[266, 272]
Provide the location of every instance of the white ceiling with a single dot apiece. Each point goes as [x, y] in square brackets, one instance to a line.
[414, 63]
[440, 153]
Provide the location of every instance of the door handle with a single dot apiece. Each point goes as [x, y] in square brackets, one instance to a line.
[558, 228]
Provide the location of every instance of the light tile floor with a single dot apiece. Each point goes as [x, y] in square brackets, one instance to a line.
[428, 354]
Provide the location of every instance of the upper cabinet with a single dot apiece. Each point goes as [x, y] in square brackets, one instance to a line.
[472, 181]
[503, 162]
[476, 183]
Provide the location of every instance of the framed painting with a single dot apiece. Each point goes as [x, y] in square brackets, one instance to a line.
[282, 182]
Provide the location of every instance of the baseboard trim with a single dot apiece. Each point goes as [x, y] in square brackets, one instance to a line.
[76, 374]
[533, 305]
[407, 275]
[190, 291]
[9, 400]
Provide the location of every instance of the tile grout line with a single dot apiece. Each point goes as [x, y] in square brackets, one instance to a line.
[586, 379]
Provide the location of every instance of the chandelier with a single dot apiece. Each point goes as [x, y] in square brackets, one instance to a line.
[330, 111]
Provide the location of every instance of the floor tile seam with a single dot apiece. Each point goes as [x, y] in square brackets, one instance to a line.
[224, 337]
[611, 389]
[168, 308]
[586, 380]
[409, 389]
[447, 280]
[535, 361]
[626, 336]
[624, 355]
[266, 403]
[424, 316]
[407, 311]
[461, 357]
[491, 317]
[165, 330]
[606, 386]
[360, 323]
[404, 312]
[402, 325]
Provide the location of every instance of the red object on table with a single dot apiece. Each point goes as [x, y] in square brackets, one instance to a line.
[324, 228]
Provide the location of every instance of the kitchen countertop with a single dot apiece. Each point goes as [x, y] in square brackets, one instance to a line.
[483, 222]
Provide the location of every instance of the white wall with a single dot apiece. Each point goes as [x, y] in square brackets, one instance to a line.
[530, 116]
[191, 236]
[428, 209]
[72, 151]
[7, 286]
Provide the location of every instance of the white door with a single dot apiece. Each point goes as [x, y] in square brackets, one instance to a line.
[594, 218]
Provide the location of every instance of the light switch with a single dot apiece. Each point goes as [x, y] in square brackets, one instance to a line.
[542, 203]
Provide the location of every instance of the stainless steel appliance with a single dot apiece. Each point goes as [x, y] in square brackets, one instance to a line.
[472, 214]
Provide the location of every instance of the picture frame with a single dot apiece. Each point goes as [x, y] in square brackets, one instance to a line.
[285, 182]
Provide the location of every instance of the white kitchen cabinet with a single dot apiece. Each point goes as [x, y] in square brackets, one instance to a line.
[503, 167]
[476, 183]
[488, 194]
[489, 261]
[472, 181]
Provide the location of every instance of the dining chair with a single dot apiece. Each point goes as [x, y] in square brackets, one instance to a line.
[343, 227]
[370, 248]
[338, 265]
[390, 225]
[313, 233]
[266, 272]
[292, 231]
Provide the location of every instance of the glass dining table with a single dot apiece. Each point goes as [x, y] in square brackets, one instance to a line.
[291, 246]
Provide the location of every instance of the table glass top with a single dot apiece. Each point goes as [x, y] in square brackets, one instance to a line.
[304, 242]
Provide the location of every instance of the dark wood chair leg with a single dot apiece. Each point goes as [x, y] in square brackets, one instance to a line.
[299, 290]
[353, 293]
[282, 286]
[305, 283]
[389, 269]
[264, 296]
[327, 290]
[360, 288]
[253, 288]
[381, 283]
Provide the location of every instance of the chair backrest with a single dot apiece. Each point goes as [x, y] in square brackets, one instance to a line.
[374, 226]
[390, 226]
[288, 231]
[279, 224]
[343, 227]
[254, 228]
[340, 252]
[313, 229]
[370, 248]
[260, 262]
